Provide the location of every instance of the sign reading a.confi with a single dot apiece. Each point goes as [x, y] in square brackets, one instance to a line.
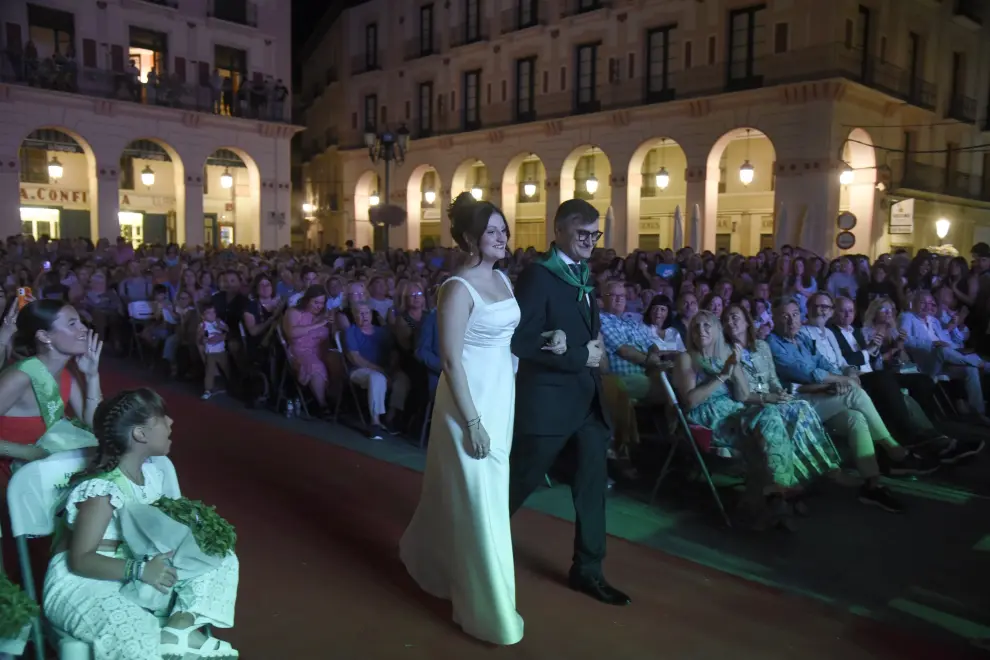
[54, 195]
[61, 195]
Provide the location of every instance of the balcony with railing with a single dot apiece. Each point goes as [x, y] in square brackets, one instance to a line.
[523, 16]
[371, 61]
[243, 12]
[805, 65]
[419, 47]
[962, 108]
[66, 76]
[578, 7]
[922, 177]
[468, 33]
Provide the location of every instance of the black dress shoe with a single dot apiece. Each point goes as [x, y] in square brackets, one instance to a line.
[597, 588]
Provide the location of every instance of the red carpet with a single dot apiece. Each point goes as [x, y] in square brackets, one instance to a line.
[318, 527]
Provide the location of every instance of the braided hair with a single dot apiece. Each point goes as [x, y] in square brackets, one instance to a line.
[113, 422]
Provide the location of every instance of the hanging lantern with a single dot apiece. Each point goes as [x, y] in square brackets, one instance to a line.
[477, 192]
[663, 179]
[374, 199]
[55, 170]
[847, 176]
[148, 176]
[308, 208]
[591, 185]
[226, 179]
[529, 189]
[746, 173]
[430, 196]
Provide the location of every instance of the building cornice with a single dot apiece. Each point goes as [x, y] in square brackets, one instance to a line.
[119, 108]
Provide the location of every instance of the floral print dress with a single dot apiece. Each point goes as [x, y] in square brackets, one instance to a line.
[812, 449]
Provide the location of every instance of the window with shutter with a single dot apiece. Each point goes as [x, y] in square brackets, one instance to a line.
[204, 73]
[180, 68]
[117, 58]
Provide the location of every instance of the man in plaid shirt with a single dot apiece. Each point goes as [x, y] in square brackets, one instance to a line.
[630, 348]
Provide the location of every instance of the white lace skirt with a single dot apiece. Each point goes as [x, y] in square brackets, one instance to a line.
[94, 611]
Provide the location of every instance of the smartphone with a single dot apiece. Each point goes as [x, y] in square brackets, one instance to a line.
[23, 297]
[667, 271]
[46, 266]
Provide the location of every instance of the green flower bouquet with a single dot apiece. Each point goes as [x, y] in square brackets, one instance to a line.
[214, 535]
[16, 612]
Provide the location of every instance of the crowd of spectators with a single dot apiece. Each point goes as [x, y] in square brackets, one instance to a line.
[790, 360]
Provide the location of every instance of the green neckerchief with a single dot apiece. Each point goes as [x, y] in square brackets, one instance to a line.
[556, 265]
[46, 390]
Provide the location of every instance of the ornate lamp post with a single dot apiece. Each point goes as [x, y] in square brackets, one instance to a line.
[387, 147]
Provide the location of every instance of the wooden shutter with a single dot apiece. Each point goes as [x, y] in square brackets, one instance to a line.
[204, 73]
[89, 53]
[117, 58]
[180, 68]
[14, 37]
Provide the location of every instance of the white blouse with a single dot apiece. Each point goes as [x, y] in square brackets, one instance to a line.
[667, 340]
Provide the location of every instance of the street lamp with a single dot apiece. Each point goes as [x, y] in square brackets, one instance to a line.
[308, 208]
[389, 148]
[55, 170]
[746, 173]
[148, 176]
[374, 199]
[663, 179]
[226, 179]
[591, 184]
[942, 226]
[529, 189]
[430, 196]
[477, 192]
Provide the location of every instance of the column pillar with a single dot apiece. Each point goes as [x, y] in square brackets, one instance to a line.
[10, 196]
[273, 221]
[619, 231]
[495, 193]
[192, 231]
[105, 223]
[697, 193]
[551, 193]
[445, 201]
[811, 187]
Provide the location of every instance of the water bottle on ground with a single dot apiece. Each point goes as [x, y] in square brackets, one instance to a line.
[289, 412]
[296, 407]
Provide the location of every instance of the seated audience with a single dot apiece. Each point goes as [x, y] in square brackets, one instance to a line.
[370, 351]
[840, 402]
[630, 349]
[937, 351]
[82, 594]
[658, 318]
[428, 350]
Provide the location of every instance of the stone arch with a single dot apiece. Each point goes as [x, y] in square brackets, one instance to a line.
[169, 179]
[367, 184]
[244, 199]
[859, 196]
[471, 175]
[583, 164]
[425, 207]
[85, 179]
[651, 205]
[524, 200]
[749, 208]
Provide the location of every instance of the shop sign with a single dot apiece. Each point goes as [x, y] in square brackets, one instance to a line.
[42, 194]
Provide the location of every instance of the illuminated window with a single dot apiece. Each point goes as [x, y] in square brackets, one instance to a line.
[148, 51]
[37, 221]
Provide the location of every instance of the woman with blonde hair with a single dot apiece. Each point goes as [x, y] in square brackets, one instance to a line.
[713, 389]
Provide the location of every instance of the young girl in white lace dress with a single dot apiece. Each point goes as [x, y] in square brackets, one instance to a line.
[82, 594]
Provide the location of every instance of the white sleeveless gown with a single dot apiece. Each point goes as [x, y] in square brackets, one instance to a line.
[459, 544]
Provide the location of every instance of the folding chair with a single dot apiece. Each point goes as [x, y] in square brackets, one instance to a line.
[427, 420]
[358, 402]
[287, 373]
[139, 313]
[698, 438]
[34, 495]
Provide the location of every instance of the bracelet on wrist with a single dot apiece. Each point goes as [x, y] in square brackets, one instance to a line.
[474, 422]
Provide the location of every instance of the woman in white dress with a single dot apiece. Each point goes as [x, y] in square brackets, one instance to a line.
[459, 545]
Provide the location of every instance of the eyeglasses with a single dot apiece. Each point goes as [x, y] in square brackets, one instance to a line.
[826, 307]
[584, 235]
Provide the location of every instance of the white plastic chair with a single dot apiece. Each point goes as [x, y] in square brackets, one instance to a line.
[34, 495]
[139, 313]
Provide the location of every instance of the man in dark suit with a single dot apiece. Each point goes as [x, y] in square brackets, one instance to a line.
[559, 397]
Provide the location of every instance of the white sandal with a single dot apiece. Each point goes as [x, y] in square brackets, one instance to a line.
[211, 648]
